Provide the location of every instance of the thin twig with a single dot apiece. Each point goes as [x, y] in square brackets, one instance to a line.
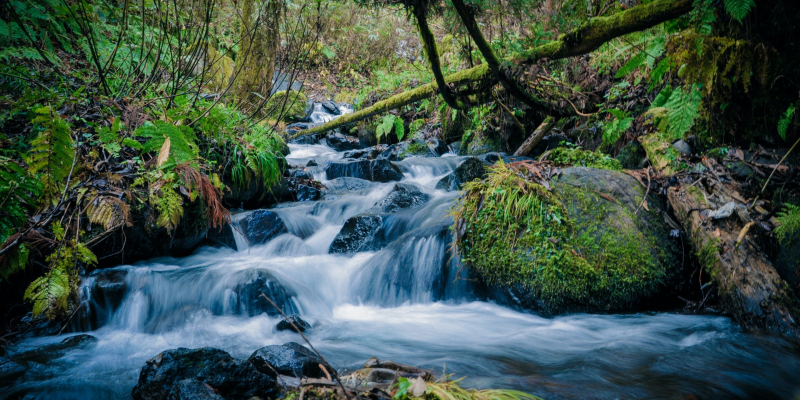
[645, 193]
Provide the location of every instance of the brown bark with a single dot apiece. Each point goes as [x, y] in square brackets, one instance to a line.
[749, 287]
[535, 138]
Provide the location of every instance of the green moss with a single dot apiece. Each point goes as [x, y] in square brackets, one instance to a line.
[583, 158]
[662, 154]
[416, 148]
[707, 257]
[518, 233]
[289, 106]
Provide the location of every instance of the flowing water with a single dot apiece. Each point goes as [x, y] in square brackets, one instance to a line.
[403, 303]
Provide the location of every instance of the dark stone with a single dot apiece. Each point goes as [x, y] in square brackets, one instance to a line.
[403, 196]
[311, 163]
[230, 377]
[305, 139]
[340, 142]
[192, 389]
[10, 370]
[438, 147]
[380, 170]
[299, 126]
[286, 324]
[491, 158]
[261, 226]
[254, 194]
[220, 237]
[289, 359]
[299, 173]
[632, 156]
[740, 169]
[52, 351]
[683, 148]
[787, 262]
[357, 234]
[549, 142]
[252, 303]
[471, 169]
[346, 184]
[307, 112]
[369, 154]
[331, 107]
[308, 193]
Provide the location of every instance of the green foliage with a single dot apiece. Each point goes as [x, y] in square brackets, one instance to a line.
[18, 195]
[256, 157]
[183, 147]
[46, 22]
[657, 74]
[789, 220]
[109, 137]
[614, 130]
[451, 390]
[415, 126]
[50, 292]
[287, 106]
[785, 121]
[388, 123]
[631, 65]
[738, 9]
[676, 111]
[170, 208]
[583, 158]
[52, 152]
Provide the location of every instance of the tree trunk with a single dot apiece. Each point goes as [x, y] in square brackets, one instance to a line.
[256, 60]
[536, 137]
[580, 41]
[749, 287]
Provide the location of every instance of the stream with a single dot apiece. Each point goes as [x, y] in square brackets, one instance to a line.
[399, 302]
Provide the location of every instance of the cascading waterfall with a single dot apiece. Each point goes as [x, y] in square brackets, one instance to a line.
[406, 299]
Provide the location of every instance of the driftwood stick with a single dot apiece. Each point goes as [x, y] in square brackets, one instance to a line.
[536, 137]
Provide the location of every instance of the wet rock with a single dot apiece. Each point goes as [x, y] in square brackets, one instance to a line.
[471, 169]
[305, 139]
[787, 261]
[340, 142]
[192, 389]
[220, 237]
[286, 324]
[311, 163]
[255, 194]
[251, 302]
[10, 370]
[307, 112]
[346, 184]
[299, 173]
[380, 170]
[331, 107]
[231, 378]
[261, 226]
[740, 169]
[398, 152]
[290, 359]
[403, 196]
[44, 354]
[308, 193]
[357, 234]
[683, 148]
[369, 153]
[632, 156]
[438, 147]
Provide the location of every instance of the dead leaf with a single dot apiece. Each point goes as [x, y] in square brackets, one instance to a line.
[418, 387]
[737, 154]
[163, 154]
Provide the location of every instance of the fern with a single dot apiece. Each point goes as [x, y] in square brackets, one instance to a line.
[789, 220]
[18, 193]
[676, 111]
[389, 122]
[399, 129]
[50, 292]
[51, 153]
[738, 9]
[107, 211]
[785, 120]
[182, 138]
[657, 74]
[612, 131]
[631, 65]
[15, 261]
[170, 209]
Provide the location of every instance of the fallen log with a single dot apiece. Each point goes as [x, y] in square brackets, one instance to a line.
[588, 37]
[749, 287]
[535, 138]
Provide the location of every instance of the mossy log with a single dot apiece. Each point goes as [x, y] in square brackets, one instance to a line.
[749, 287]
[536, 137]
[582, 40]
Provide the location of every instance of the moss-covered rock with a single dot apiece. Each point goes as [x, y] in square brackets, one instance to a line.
[581, 246]
[663, 156]
[288, 106]
[583, 158]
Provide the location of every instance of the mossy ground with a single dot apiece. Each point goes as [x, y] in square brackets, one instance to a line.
[583, 158]
[572, 248]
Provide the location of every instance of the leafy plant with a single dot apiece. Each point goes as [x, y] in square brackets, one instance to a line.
[676, 111]
[109, 137]
[452, 390]
[789, 220]
[613, 130]
[785, 120]
[183, 147]
[18, 193]
[388, 123]
[738, 9]
[51, 153]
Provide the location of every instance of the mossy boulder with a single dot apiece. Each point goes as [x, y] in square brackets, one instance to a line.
[287, 105]
[580, 246]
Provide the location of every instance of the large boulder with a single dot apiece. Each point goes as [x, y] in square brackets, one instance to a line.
[229, 377]
[192, 389]
[357, 234]
[251, 302]
[587, 244]
[262, 226]
[290, 359]
[472, 168]
[380, 170]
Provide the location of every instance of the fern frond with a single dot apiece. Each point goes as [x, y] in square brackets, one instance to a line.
[789, 220]
[18, 193]
[631, 65]
[51, 153]
[170, 209]
[785, 120]
[738, 9]
[108, 211]
[683, 111]
[182, 142]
